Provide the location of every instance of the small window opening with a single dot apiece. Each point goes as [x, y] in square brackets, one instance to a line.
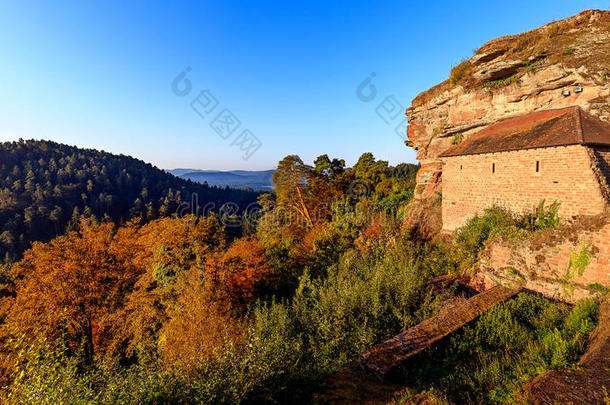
[537, 166]
[493, 167]
[460, 167]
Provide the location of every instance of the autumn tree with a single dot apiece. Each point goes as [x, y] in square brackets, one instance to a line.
[69, 286]
[239, 269]
[290, 181]
[199, 327]
[168, 250]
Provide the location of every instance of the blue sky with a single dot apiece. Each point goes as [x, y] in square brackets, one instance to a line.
[99, 74]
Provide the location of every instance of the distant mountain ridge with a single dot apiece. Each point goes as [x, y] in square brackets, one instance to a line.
[258, 180]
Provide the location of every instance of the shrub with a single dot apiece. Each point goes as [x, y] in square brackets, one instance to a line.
[527, 41]
[51, 376]
[497, 221]
[392, 203]
[460, 71]
[366, 298]
[554, 30]
[532, 65]
[543, 217]
[470, 238]
[576, 267]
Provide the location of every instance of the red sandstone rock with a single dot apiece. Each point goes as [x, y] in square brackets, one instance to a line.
[545, 61]
[542, 262]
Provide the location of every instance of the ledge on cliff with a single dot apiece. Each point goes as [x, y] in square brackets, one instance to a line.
[576, 42]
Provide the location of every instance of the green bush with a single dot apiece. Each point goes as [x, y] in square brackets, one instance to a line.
[542, 217]
[51, 376]
[502, 82]
[393, 202]
[497, 221]
[494, 221]
[366, 298]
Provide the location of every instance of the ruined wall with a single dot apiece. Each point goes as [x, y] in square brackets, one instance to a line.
[542, 262]
[470, 184]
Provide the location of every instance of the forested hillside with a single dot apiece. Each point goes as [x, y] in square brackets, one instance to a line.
[46, 187]
[179, 311]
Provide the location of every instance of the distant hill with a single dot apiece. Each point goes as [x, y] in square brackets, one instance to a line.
[46, 187]
[256, 180]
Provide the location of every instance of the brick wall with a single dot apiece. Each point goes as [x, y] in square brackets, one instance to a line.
[543, 261]
[472, 183]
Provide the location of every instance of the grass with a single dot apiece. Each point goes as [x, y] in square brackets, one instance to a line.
[568, 51]
[527, 41]
[576, 267]
[598, 287]
[514, 78]
[553, 30]
[502, 82]
[532, 65]
[543, 216]
[470, 240]
[460, 71]
[438, 130]
[489, 361]
[514, 272]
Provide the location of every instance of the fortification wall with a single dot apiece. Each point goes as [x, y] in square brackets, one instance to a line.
[518, 181]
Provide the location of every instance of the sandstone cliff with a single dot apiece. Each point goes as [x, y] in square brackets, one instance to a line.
[511, 76]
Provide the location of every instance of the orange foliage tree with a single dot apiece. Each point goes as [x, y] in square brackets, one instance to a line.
[167, 250]
[239, 269]
[172, 287]
[199, 327]
[69, 287]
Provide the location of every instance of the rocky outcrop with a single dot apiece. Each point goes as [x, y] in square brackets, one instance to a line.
[508, 77]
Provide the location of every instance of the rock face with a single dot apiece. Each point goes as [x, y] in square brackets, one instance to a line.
[508, 77]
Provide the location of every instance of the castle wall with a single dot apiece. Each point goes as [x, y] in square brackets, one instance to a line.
[472, 183]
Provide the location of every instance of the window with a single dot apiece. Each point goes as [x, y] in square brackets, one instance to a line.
[460, 167]
[537, 166]
[493, 167]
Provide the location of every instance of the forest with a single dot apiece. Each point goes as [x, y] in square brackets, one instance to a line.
[46, 187]
[161, 308]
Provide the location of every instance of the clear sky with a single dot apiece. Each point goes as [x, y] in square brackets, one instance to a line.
[99, 74]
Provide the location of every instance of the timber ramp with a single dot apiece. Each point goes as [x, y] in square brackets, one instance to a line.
[383, 358]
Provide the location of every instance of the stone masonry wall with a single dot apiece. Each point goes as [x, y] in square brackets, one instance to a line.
[541, 263]
[472, 183]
